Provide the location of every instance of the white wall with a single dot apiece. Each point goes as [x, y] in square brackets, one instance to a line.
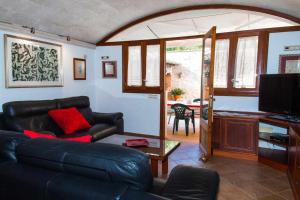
[248, 104]
[277, 41]
[141, 113]
[71, 87]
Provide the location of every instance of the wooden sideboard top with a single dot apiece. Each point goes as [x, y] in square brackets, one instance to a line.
[238, 114]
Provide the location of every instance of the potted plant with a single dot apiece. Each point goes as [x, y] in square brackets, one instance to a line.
[176, 93]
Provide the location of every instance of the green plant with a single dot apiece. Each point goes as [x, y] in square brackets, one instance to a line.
[177, 92]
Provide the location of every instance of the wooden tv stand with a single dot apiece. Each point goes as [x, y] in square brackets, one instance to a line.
[235, 134]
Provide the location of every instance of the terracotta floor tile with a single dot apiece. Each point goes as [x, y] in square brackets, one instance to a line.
[271, 197]
[253, 189]
[287, 194]
[276, 184]
[240, 179]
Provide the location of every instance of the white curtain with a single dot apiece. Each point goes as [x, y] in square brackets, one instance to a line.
[246, 62]
[153, 66]
[134, 76]
[221, 63]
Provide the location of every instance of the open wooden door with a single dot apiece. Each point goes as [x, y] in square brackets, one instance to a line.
[207, 92]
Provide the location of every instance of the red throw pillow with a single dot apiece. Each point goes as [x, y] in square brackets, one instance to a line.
[33, 134]
[70, 119]
[86, 138]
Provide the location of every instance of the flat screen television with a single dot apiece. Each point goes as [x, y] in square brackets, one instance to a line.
[280, 94]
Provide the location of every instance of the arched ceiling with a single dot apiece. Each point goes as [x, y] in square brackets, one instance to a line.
[92, 20]
[198, 22]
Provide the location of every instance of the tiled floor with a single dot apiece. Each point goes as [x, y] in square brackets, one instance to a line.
[181, 135]
[240, 179]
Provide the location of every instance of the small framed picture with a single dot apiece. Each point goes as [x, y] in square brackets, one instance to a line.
[289, 64]
[79, 70]
[109, 69]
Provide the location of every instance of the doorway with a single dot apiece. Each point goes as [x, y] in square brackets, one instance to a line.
[183, 61]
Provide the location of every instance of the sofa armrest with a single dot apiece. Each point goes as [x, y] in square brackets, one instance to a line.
[186, 182]
[110, 118]
[2, 125]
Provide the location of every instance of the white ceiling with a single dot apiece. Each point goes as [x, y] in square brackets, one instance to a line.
[199, 22]
[91, 20]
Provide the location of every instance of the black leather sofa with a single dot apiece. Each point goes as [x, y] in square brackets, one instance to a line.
[33, 115]
[44, 169]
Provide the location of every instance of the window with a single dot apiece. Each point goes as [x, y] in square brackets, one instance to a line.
[221, 63]
[246, 63]
[238, 61]
[134, 66]
[142, 70]
[153, 66]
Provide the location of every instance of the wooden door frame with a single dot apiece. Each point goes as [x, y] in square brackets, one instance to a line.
[163, 103]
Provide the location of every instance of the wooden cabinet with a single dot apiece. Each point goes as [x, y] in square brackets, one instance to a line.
[294, 161]
[235, 133]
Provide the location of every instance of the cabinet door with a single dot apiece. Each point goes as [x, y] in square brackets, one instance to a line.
[240, 134]
[216, 135]
[292, 153]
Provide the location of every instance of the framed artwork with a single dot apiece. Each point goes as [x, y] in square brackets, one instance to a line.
[109, 69]
[289, 63]
[32, 63]
[79, 69]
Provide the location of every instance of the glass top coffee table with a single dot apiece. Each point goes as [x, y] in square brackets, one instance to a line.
[158, 149]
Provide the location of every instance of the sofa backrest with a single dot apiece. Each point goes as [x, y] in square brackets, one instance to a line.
[106, 162]
[33, 115]
[82, 103]
[30, 115]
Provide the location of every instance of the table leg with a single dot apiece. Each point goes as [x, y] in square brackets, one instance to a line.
[154, 167]
[164, 164]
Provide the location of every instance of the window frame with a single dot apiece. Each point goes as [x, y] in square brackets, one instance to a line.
[260, 68]
[143, 88]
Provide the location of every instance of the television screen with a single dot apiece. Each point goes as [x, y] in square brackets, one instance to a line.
[280, 93]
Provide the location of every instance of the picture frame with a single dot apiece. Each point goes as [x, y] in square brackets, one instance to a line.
[79, 69]
[32, 63]
[109, 69]
[289, 63]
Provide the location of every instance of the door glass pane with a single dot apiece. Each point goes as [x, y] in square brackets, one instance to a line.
[246, 62]
[153, 66]
[206, 77]
[134, 76]
[221, 63]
